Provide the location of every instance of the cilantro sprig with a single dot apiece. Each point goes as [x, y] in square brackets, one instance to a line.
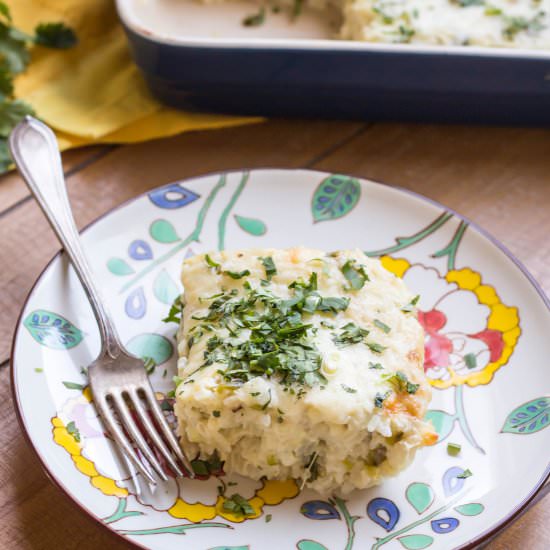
[14, 59]
[355, 275]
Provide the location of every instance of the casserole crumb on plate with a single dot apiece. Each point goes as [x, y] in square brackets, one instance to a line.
[301, 364]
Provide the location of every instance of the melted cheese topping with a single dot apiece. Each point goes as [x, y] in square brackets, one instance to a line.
[261, 426]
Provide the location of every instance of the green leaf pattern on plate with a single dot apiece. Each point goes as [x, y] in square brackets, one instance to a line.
[472, 509]
[52, 330]
[415, 542]
[251, 225]
[420, 495]
[118, 266]
[335, 197]
[164, 288]
[529, 418]
[163, 232]
[151, 345]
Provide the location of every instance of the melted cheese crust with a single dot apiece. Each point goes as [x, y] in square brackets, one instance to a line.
[260, 428]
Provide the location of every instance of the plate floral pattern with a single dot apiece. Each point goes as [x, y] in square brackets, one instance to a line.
[484, 345]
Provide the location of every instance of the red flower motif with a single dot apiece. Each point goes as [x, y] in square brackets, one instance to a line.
[437, 348]
[494, 341]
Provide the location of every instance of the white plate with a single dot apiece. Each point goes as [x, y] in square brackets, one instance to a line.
[487, 326]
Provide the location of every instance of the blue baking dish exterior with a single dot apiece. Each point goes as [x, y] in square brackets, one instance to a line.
[372, 82]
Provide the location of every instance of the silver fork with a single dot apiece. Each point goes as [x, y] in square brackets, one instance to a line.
[117, 379]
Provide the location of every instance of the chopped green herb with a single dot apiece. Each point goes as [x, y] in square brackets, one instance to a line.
[297, 8]
[238, 505]
[468, 3]
[200, 467]
[312, 467]
[174, 315]
[72, 385]
[73, 430]
[256, 19]
[400, 382]
[375, 365]
[216, 414]
[492, 10]
[453, 449]
[211, 263]
[268, 518]
[379, 399]
[351, 334]
[149, 364]
[164, 373]
[382, 326]
[515, 25]
[255, 393]
[55, 35]
[466, 473]
[38, 369]
[411, 305]
[269, 266]
[471, 360]
[348, 389]
[376, 348]
[405, 34]
[355, 275]
[237, 275]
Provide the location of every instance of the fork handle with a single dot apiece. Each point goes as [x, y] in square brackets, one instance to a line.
[34, 149]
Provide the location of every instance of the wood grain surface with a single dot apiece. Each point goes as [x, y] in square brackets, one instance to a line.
[497, 177]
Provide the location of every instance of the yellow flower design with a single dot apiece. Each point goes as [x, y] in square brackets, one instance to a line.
[182, 498]
[470, 333]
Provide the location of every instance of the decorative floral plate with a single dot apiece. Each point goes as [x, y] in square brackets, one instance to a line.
[487, 349]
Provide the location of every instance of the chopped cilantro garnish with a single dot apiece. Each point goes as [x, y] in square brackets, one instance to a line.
[268, 518]
[174, 315]
[237, 274]
[216, 414]
[379, 399]
[312, 467]
[382, 326]
[400, 382]
[355, 274]
[55, 35]
[269, 266]
[149, 364]
[73, 430]
[348, 389]
[351, 334]
[211, 263]
[256, 19]
[471, 360]
[38, 369]
[515, 25]
[376, 348]
[466, 473]
[453, 449]
[411, 305]
[238, 505]
[375, 365]
[71, 385]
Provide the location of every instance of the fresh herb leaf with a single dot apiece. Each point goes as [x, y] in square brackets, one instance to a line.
[269, 266]
[312, 467]
[355, 275]
[400, 382]
[405, 34]
[453, 449]
[55, 35]
[411, 305]
[5, 11]
[515, 25]
[468, 3]
[377, 366]
[376, 348]
[73, 430]
[176, 309]
[297, 8]
[238, 505]
[216, 414]
[466, 473]
[149, 364]
[211, 263]
[237, 274]
[256, 19]
[348, 389]
[351, 334]
[268, 518]
[379, 399]
[471, 360]
[382, 326]
[73, 386]
[38, 369]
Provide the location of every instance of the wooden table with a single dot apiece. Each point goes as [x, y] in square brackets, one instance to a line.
[500, 178]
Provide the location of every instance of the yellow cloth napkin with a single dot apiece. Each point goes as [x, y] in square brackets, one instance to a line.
[93, 92]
